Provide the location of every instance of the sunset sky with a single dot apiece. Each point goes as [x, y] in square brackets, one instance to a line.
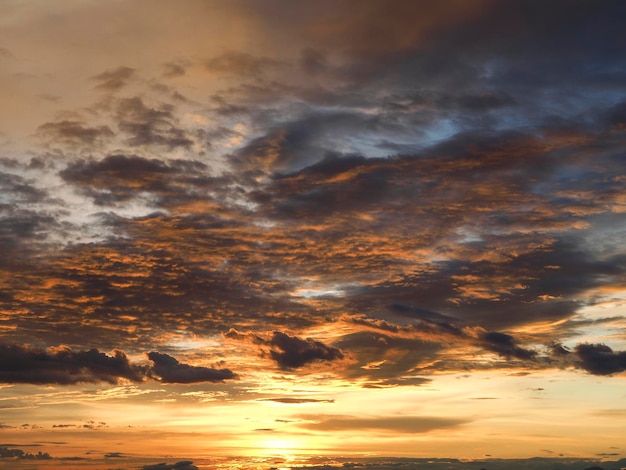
[275, 228]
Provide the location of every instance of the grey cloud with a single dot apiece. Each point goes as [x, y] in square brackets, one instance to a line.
[21, 190]
[296, 144]
[22, 364]
[600, 359]
[505, 345]
[121, 177]
[291, 352]
[74, 133]
[63, 366]
[18, 454]
[146, 126]
[172, 371]
[182, 465]
[23, 234]
[113, 80]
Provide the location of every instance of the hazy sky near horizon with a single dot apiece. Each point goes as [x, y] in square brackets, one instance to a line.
[330, 227]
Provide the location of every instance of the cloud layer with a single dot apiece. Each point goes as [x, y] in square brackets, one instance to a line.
[399, 189]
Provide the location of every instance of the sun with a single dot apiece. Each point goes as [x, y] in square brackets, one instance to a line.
[283, 446]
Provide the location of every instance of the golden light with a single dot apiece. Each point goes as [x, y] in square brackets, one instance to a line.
[283, 446]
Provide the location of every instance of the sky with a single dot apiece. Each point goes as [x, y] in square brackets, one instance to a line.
[274, 229]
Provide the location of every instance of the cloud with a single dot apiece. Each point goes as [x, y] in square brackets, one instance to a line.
[21, 190]
[297, 401]
[171, 371]
[22, 364]
[117, 178]
[146, 126]
[393, 424]
[437, 171]
[600, 359]
[18, 454]
[74, 133]
[61, 365]
[505, 345]
[113, 80]
[291, 352]
[182, 465]
[240, 64]
[174, 69]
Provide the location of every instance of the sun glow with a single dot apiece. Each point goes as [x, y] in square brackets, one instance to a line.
[283, 446]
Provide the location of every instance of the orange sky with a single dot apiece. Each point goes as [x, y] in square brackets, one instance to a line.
[340, 228]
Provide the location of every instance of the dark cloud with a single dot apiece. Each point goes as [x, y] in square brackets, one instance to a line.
[22, 364]
[21, 190]
[63, 366]
[19, 454]
[113, 80]
[114, 455]
[182, 465]
[600, 359]
[146, 126]
[291, 352]
[118, 178]
[172, 371]
[505, 345]
[302, 142]
[74, 133]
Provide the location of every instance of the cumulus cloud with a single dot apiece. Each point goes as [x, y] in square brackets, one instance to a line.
[22, 364]
[291, 352]
[171, 371]
[61, 365]
[600, 359]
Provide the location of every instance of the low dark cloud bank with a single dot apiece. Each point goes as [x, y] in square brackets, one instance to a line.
[172, 371]
[62, 365]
